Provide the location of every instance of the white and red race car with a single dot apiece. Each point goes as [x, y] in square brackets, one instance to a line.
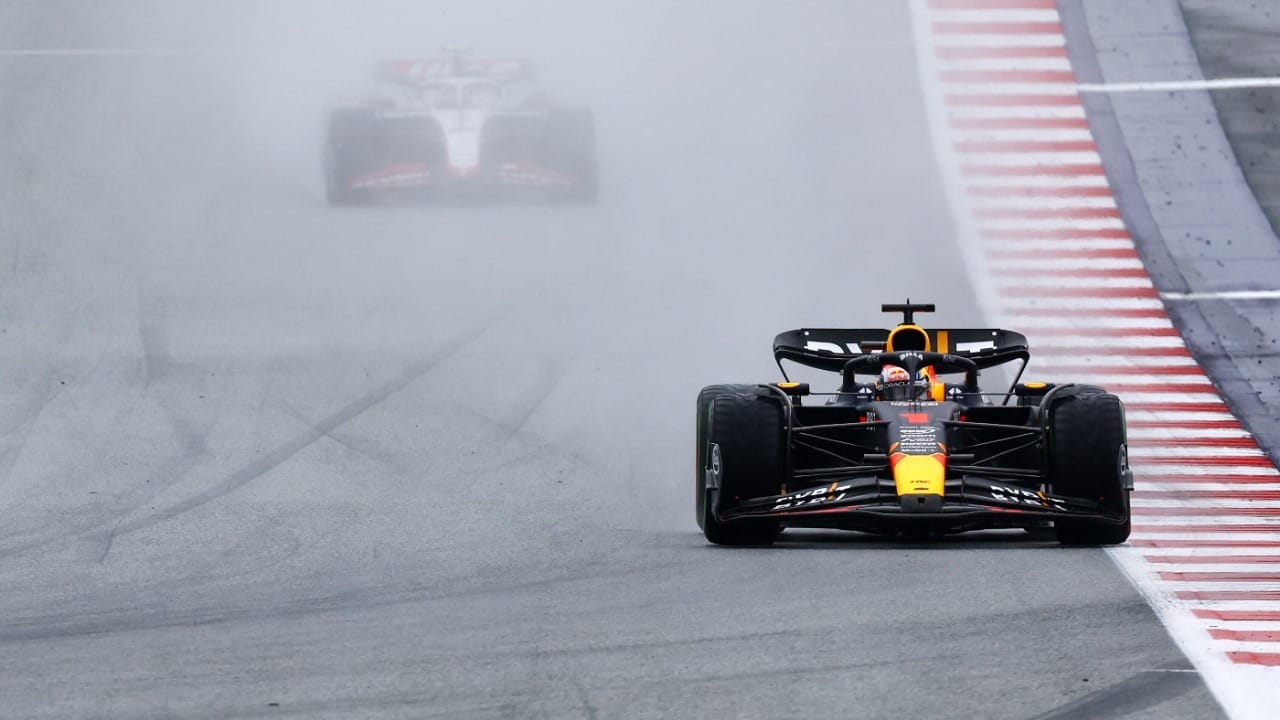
[455, 128]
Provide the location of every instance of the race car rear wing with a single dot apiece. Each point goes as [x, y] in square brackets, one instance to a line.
[414, 72]
[831, 348]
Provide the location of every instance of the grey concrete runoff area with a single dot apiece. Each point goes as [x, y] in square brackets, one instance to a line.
[1198, 220]
[260, 458]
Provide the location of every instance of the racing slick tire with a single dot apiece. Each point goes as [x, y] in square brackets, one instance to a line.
[705, 398]
[1088, 460]
[348, 134]
[572, 132]
[740, 432]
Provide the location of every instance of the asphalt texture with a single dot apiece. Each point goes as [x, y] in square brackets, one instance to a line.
[1238, 39]
[261, 458]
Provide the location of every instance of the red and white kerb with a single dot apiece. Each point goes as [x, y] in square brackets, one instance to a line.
[1050, 254]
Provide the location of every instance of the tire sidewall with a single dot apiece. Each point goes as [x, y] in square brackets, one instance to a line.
[1086, 459]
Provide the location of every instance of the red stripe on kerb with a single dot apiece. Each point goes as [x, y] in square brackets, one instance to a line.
[1211, 559]
[1238, 442]
[1207, 512]
[997, 28]
[1024, 146]
[1010, 100]
[972, 52]
[1251, 658]
[1184, 543]
[1082, 273]
[1067, 233]
[1035, 291]
[1152, 312]
[1220, 576]
[1089, 273]
[1225, 528]
[1072, 213]
[1202, 528]
[1086, 350]
[993, 4]
[1177, 407]
[1231, 479]
[1015, 123]
[1122, 389]
[1021, 191]
[1245, 635]
[1063, 369]
[1237, 615]
[1032, 171]
[1008, 76]
[1077, 254]
[1210, 495]
[1210, 460]
[1104, 331]
[1142, 424]
[1228, 594]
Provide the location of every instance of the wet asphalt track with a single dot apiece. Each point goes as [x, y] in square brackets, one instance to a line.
[259, 458]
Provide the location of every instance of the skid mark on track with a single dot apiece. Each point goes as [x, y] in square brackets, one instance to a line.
[191, 448]
[362, 446]
[190, 436]
[156, 359]
[363, 594]
[552, 375]
[323, 428]
[1133, 694]
[47, 390]
[44, 392]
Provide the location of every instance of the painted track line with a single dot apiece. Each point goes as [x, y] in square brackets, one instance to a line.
[108, 52]
[1051, 256]
[1181, 85]
[1224, 295]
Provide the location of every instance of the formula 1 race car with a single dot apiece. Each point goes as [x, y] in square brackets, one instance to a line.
[910, 454]
[459, 127]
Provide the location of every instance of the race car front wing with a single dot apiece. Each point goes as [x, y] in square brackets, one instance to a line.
[871, 503]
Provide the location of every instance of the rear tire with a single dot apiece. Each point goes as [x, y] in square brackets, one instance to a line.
[747, 429]
[1087, 460]
[572, 135]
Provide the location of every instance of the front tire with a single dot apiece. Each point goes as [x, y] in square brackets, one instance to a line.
[741, 431]
[349, 133]
[1088, 460]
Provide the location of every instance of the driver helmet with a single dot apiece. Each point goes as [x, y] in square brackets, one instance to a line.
[895, 384]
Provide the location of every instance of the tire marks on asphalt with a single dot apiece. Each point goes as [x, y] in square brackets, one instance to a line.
[363, 593]
[190, 433]
[320, 429]
[156, 358]
[1129, 696]
[552, 375]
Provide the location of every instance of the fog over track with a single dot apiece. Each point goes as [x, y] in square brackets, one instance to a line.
[260, 457]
